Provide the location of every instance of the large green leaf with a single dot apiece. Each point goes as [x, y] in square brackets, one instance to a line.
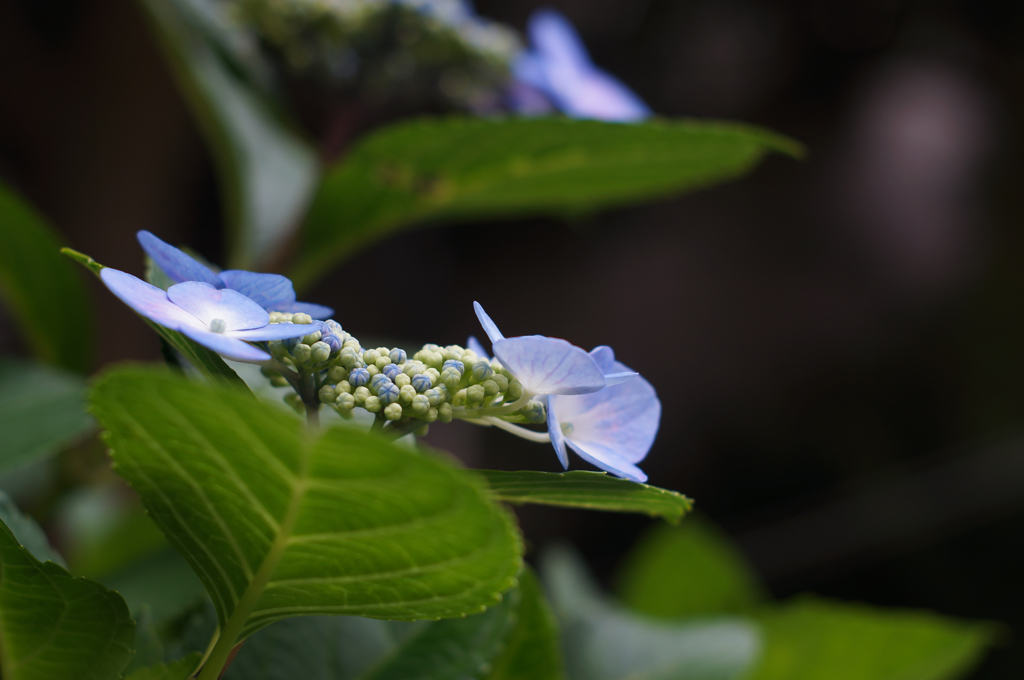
[278, 521]
[207, 362]
[28, 534]
[584, 489]
[532, 651]
[604, 642]
[175, 670]
[267, 171]
[43, 291]
[42, 409]
[814, 639]
[461, 168]
[54, 626]
[689, 570]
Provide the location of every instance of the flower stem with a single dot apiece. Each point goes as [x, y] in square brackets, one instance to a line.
[515, 429]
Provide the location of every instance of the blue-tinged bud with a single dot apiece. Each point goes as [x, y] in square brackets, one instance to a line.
[490, 388]
[402, 380]
[295, 401]
[302, 353]
[344, 386]
[361, 394]
[454, 363]
[422, 382]
[370, 356]
[392, 371]
[393, 412]
[345, 402]
[359, 377]
[534, 411]
[327, 394]
[475, 394]
[434, 396]
[431, 415]
[376, 381]
[408, 394]
[419, 405]
[515, 390]
[218, 325]
[302, 318]
[451, 377]
[321, 352]
[332, 341]
[279, 381]
[373, 404]
[398, 356]
[444, 413]
[336, 374]
[290, 343]
[333, 327]
[482, 370]
[388, 393]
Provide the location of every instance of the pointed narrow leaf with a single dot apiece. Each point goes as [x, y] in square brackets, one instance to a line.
[468, 168]
[40, 287]
[205, 361]
[532, 651]
[279, 522]
[55, 626]
[42, 409]
[585, 489]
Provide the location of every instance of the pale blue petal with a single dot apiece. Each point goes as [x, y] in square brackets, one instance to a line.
[176, 264]
[226, 345]
[314, 310]
[206, 303]
[529, 68]
[549, 365]
[555, 38]
[620, 377]
[557, 438]
[275, 331]
[489, 326]
[593, 94]
[609, 462]
[621, 420]
[605, 358]
[147, 300]
[272, 292]
[473, 345]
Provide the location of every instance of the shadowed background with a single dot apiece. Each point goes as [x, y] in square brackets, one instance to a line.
[837, 343]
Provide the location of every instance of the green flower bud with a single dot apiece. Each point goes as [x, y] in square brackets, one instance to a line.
[435, 375]
[490, 388]
[434, 396]
[534, 411]
[372, 404]
[453, 352]
[451, 377]
[360, 394]
[407, 394]
[373, 370]
[295, 401]
[501, 381]
[343, 387]
[345, 402]
[393, 412]
[431, 415]
[311, 338]
[268, 372]
[382, 362]
[482, 370]
[420, 405]
[278, 317]
[302, 318]
[327, 394]
[370, 356]
[353, 344]
[302, 353]
[402, 380]
[336, 374]
[515, 390]
[469, 357]
[475, 394]
[321, 352]
[411, 368]
[460, 398]
[444, 413]
[277, 349]
[279, 381]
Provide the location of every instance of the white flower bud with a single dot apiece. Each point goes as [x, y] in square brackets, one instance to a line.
[327, 394]
[373, 370]
[408, 393]
[382, 362]
[402, 380]
[302, 318]
[370, 356]
[393, 412]
[420, 404]
[321, 352]
[345, 402]
[311, 338]
[343, 387]
[361, 394]
[336, 374]
[372, 404]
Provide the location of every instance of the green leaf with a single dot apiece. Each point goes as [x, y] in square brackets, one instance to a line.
[267, 171]
[175, 670]
[689, 570]
[42, 409]
[815, 639]
[279, 522]
[207, 362]
[43, 291]
[603, 642]
[584, 489]
[29, 534]
[467, 168]
[54, 626]
[532, 651]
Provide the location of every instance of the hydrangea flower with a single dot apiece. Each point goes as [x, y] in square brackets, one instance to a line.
[548, 365]
[612, 429]
[223, 320]
[273, 292]
[559, 67]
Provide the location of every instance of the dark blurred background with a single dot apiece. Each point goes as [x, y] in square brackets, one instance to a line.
[838, 344]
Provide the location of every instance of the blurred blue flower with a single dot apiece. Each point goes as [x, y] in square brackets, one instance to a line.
[548, 365]
[612, 429]
[559, 67]
[273, 292]
[222, 320]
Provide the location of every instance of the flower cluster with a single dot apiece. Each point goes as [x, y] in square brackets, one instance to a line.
[590, 402]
